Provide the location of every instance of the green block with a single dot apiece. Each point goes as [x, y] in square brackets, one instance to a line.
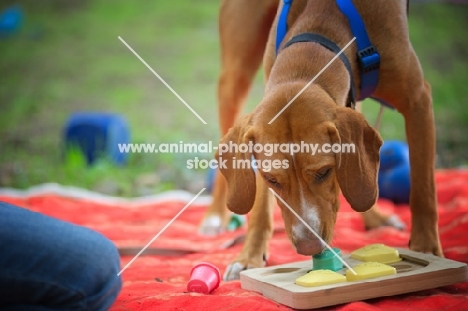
[236, 221]
[326, 260]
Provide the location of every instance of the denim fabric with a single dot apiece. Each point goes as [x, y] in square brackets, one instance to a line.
[49, 264]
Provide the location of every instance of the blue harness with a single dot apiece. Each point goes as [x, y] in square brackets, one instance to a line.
[368, 57]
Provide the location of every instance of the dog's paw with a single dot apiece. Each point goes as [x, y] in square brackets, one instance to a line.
[426, 243]
[395, 222]
[211, 225]
[427, 248]
[233, 270]
[377, 221]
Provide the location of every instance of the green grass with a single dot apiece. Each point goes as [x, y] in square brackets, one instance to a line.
[67, 58]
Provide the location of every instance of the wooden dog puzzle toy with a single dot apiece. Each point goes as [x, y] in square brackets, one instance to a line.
[380, 271]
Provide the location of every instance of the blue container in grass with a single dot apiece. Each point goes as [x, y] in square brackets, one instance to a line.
[97, 135]
[394, 172]
[11, 20]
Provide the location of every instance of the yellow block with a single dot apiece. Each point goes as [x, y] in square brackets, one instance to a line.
[369, 270]
[377, 253]
[320, 277]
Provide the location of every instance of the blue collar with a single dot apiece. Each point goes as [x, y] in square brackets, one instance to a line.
[367, 56]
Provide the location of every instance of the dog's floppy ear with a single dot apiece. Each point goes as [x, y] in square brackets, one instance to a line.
[240, 176]
[357, 172]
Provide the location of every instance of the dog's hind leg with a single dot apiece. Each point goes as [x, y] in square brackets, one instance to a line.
[244, 26]
[374, 218]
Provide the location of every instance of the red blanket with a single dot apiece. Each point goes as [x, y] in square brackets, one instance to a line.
[158, 282]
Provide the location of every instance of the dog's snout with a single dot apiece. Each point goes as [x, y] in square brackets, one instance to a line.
[306, 242]
[309, 247]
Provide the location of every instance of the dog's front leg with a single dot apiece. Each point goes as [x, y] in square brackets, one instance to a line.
[243, 28]
[260, 229]
[420, 131]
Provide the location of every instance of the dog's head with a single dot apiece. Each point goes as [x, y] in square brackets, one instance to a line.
[308, 183]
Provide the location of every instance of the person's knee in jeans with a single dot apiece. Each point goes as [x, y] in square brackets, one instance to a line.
[49, 264]
[103, 267]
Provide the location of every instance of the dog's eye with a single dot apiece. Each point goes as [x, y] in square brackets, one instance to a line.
[272, 180]
[321, 174]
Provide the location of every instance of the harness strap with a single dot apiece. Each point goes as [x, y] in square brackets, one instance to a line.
[282, 27]
[332, 46]
[368, 57]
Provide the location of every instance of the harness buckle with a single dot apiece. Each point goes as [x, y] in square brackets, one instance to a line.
[369, 59]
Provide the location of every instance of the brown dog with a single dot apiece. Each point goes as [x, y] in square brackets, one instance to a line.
[311, 184]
